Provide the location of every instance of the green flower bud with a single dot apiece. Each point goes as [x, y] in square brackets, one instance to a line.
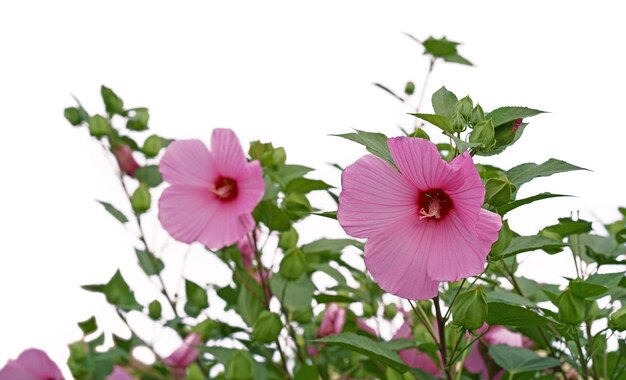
[72, 114]
[499, 191]
[267, 327]
[153, 145]
[409, 89]
[483, 133]
[154, 310]
[420, 133]
[464, 106]
[390, 311]
[478, 115]
[141, 199]
[293, 264]
[617, 320]
[368, 310]
[98, 126]
[458, 122]
[239, 366]
[138, 119]
[504, 238]
[470, 309]
[571, 307]
[288, 239]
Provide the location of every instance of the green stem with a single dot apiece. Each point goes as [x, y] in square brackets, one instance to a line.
[583, 362]
[417, 309]
[441, 324]
[445, 317]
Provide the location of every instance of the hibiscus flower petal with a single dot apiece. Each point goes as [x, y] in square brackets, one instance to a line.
[250, 188]
[397, 259]
[469, 197]
[456, 251]
[188, 162]
[420, 161]
[373, 196]
[39, 363]
[225, 227]
[487, 228]
[230, 160]
[185, 211]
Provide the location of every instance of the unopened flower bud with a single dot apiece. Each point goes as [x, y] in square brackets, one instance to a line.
[470, 309]
[239, 366]
[390, 311]
[409, 89]
[267, 327]
[72, 114]
[464, 106]
[458, 122]
[483, 133]
[420, 133]
[141, 199]
[478, 115]
[499, 191]
[124, 156]
[617, 320]
[571, 307]
[293, 264]
[98, 126]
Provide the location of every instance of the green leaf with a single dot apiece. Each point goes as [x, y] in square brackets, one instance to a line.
[328, 298]
[518, 360]
[389, 91]
[197, 299]
[117, 214]
[274, 218]
[566, 227]
[376, 143]
[367, 347]
[153, 145]
[440, 121]
[287, 173]
[332, 245]
[116, 292]
[249, 306]
[150, 264]
[523, 173]
[88, 326]
[305, 185]
[521, 244]
[521, 202]
[610, 280]
[444, 102]
[505, 296]
[504, 115]
[73, 115]
[513, 315]
[113, 103]
[294, 295]
[98, 126]
[331, 271]
[586, 290]
[149, 175]
[327, 214]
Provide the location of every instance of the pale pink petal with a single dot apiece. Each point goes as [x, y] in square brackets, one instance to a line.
[186, 354]
[332, 321]
[31, 364]
[397, 258]
[416, 359]
[420, 161]
[250, 188]
[188, 162]
[119, 373]
[469, 196]
[225, 227]
[487, 229]
[340, 320]
[373, 196]
[361, 324]
[12, 371]
[475, 363]
[455, 250]
[502, 335]
[185, 211]
[229, 157]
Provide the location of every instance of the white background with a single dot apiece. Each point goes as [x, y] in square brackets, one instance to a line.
[288, 72]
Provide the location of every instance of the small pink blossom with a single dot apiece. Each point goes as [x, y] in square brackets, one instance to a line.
[124, 156]
[412, 356]
[424, 223]
[246, 250]
[184, 355]
[31, 364]
[476, 362]
[333, 320]
[119, 373]
[516, 125]
[212, 193]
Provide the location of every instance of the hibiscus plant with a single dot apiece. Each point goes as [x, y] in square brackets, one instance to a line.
[423, 286]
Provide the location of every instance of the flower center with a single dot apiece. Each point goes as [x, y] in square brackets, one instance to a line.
[434, 204]
[225, 189]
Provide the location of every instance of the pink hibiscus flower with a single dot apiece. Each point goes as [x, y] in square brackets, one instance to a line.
[212, 193]
[184, 355]
[424, 223]
[478, 360]
[412, 356]
[333, 320]
[32, 364]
